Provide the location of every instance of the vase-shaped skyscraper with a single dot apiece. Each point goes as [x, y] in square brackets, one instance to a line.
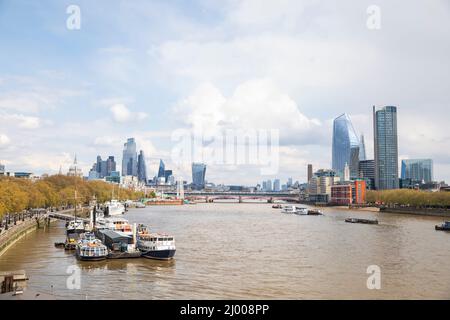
[345, 146]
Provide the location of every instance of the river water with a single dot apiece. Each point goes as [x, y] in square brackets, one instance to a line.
[251, 251]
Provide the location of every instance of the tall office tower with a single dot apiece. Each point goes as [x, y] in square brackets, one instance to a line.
[269, 185]
[417, 170]
[310, 172]
[362, 149]
[110, 165]
[354, 162]
[141, 168]
[367, 172]
[198, 175]
[289, 182]
[167, 174]
[264, 185]
[346, 172]
[344, 140]
[385, 147]
[129, 159]
[276, 185]
[162, 169]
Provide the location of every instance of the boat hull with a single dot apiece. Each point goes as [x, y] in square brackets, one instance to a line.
[159, 254]
[441, 228]
[84, 258]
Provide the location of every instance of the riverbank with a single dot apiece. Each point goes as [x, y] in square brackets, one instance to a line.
[418, 211]
[9, 237]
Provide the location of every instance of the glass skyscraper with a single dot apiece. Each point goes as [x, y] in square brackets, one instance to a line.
[362, 149]
[417, 170]
[162, 169]
[141, 168]
[198, 175]
[129, 159]
[345, 146]
[385, 148]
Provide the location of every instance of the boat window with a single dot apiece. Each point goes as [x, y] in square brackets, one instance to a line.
[170, 239]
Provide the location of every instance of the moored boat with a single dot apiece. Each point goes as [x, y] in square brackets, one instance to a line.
[155, 245]
[314, 212]
[90, 248]
[443, 227]
[364, 221]
[114, 208]
[277, 206]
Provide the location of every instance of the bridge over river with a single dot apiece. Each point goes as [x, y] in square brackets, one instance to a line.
[210, 196]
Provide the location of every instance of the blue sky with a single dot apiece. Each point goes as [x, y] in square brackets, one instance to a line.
[147, 68]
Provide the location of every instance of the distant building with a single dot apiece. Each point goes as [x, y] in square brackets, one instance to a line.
[2, 169]
[276, 185]
[269, 185]
[310, 172]
[417, 170]
[319, 187]
[345, 147]
[198, 175]
[74, 170]
[347, 193]
[362, 149]
[385, 148]
[25, 175]
[162, 169]
[102, 168]
[113, 177]
[367, 172]
[289, 183]
[141, 168]
[129, 159]
[167, 174]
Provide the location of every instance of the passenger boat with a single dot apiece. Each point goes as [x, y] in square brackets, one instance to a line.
[295, 210]
[314, 212]
[117, 224]
[90, 248]
[75, 227]
[365, 221]
[154, 245]
[301, 211]
[114, 208]
[443, 227]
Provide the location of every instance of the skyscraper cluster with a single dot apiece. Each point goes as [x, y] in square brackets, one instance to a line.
[164, 175]
[132, 165]
[349, 158]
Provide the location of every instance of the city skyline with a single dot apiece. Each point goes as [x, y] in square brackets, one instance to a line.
[145, 76]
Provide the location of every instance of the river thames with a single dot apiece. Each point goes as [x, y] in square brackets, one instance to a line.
[252, 251]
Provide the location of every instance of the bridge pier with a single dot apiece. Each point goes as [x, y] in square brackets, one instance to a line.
[240, 199]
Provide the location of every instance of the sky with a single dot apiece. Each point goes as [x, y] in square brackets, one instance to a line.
[147, 69]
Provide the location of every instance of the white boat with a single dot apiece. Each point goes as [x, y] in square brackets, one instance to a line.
[114, 208]
[117, 224]
[155, 245]
[139, 204]
[295, 210]
[301, 211]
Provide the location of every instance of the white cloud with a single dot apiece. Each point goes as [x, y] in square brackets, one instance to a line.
[122, 114]
[4, 140]
[255, 104]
